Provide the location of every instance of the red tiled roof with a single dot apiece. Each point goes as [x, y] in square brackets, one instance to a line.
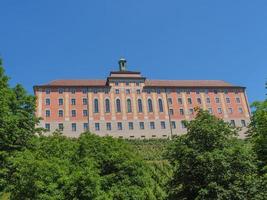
[76, 83]
[187, 83]
[148, 83]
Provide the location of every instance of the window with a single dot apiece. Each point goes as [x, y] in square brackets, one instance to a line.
[85, 113]
[73, 127]
[180, 101]
[97, 126]
[118, 105]
[140, 106]
[220, 110]
[160, 105]
[73, 90]
[60, 113]
[116, 83]
[230, 110]
[47, 127]
[208, 100]
[60, 102]
[106, 91]
[173, 124]
[148, 91]
[142, 125]
[85, 101]
[198, 100]
[47, 102]
[210, 110]
[187, 92]
[197, 92]
[217, 100]
[60, 127]
[189, 101]
[227, 100]
[170, 101]
[84, 90]
[171, 111]
[73, 113]
[73, 101]
[158, 91]
[237, 100]
[215, 91]
[152, 125]
[95, 91]
[117, 91]
[119, 125]
[191, 111]
[162, 125]
[240, 110]
[60, 90]
[127, 83]
[129, 106]
[47, 113]
[243, 123]
[96, 110]
[232, 122]
[225, 91]
[128, 91]
[47, 91]
[181, 111]
[107, 106]
[108, 126]
[138, 91]
[183, 124]
[85, 127]
[130, 124]
[150, 106]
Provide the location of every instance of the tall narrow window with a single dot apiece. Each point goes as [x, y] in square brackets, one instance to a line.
[60, 102]
[73, 127]
[140, 106]
[47, 102]
[160, 105]
[150, 106]
[107, 106]
[129, 106]
[96, 110]
[118, 105]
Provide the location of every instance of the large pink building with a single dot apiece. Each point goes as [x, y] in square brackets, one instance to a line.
[127, 105]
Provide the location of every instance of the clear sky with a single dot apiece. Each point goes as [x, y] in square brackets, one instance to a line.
[43, 40]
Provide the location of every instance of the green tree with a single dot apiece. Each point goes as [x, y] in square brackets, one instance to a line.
[17, 121]
[210, 163]
[91, 167]
[258, 132]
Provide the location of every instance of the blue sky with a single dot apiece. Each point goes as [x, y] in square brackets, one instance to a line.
[83, 39]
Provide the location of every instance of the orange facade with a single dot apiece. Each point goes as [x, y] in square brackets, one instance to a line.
[128, 105]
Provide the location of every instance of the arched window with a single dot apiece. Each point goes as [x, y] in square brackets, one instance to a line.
[129, 106]
[160, 105]
[150, 106]
[140, 106]
[118, 105]
[107, 106]
[96, 110]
